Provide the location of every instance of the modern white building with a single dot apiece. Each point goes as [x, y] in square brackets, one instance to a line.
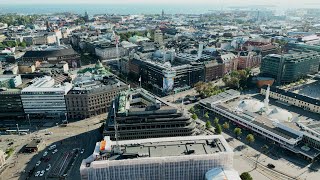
[289, 130]
[177, 158]
[45, 98]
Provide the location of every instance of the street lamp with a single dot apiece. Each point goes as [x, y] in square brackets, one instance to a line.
[65, 114]
[28, 116]
[18, 129]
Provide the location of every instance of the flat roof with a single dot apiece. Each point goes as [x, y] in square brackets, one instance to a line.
[174, 146]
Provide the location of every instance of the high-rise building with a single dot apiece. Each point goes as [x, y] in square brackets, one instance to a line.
[171, 158]
[290, 67]
[137, 114]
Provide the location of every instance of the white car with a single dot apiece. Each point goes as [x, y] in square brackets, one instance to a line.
[56, 150]
[82, 151]
[38, 163]
[37, 174]
[48, 168]
[45, 154]
[52, 147]
[49, 133]
[42, 173]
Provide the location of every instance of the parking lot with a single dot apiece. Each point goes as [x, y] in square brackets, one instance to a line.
[73, 143]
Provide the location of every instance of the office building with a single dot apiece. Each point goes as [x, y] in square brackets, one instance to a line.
[10, 81]
[45, 98]
[138, 115]
[290, 67]
[10, 103]
[92, 95]
[171, 158]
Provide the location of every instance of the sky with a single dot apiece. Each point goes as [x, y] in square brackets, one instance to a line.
[277, 3]
[226, 2]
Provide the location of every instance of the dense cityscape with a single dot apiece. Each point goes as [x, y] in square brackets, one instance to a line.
[226, 93]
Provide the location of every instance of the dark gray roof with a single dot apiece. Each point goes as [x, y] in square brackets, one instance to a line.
[295, 95]
[53, 53]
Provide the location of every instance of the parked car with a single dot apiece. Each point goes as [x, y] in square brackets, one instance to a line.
[42, 173]
[49, 133]
[45, 154]
[56, 150]
[38, 163]
[52, 147]
[37, 174]
[271, 166]
[49, 167]
[82, 151]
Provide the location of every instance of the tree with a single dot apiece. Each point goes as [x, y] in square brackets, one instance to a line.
[192, 110]
[208, 124]
[245, 176]
[216, 120]
[194, 116]
[237, 131]
[23, 44]
[218, 129]
[206, 115]
[226, 125]
[250, 138]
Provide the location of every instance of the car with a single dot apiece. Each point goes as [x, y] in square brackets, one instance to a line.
[38, 163]
[239, 138]
[37, 174]
[45, 154]
[10, 143]
[82, 151]
[52, 147]
[49, 133]
[271, 166]
[23, 133]
[49, 167]
[56, 150]
[42, 173]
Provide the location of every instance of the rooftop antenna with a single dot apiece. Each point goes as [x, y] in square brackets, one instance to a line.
[117, 148]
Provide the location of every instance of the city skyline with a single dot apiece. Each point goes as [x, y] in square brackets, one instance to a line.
[292, 3]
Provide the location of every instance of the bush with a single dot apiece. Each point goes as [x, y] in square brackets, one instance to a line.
[9, 151]
[246, 176]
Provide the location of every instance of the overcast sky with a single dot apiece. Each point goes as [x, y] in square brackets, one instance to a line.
[285, 3]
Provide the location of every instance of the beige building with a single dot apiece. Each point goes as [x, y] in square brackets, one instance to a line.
[26, 67]
[305, 102]
[158, 37]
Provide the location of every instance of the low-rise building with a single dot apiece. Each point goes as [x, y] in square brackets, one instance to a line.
[10, 81]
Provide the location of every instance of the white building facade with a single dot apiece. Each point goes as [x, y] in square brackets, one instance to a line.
[43, 97]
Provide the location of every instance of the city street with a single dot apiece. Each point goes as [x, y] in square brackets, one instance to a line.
[70, 141]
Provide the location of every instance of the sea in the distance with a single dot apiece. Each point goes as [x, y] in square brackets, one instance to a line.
[105, 9]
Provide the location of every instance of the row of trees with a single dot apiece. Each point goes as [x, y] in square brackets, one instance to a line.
[12, 44]
[16, 20]
[237, 79]
[218, 128]
[207, 89]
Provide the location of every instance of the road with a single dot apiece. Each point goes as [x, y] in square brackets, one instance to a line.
[80, 134]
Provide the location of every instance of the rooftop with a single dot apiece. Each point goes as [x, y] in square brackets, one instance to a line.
[163, 147]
